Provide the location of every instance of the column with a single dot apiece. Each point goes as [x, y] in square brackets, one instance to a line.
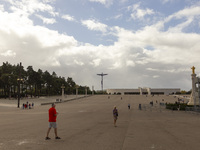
[63, 92]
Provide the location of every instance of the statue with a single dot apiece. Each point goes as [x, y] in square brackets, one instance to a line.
[194, 99]
[193, 70]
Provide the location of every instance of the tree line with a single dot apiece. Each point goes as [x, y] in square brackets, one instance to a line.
[34, 83]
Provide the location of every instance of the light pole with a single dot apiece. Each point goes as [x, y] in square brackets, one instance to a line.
[19, 81]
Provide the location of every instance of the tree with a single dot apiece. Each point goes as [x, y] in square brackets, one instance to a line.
[47, 81]
[12, 77]
[70, 85]
[30, 78]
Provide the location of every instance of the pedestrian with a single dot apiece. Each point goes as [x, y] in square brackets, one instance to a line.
[115, 115]
[52, 122]
[129, 106]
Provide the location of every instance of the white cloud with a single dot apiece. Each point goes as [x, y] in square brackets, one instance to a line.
[32, 6]
[123, 1]
[118, 16]
[167, 1]
[181, 26]
[107, 3]
[68, 17]
[78, 62]
[1, 8]
[96, 62]
[130, 63]
[139, 13]
[94, 25]
[47, 20]
[8, 53]
[156, 76]
[189, 13]
[173, 50]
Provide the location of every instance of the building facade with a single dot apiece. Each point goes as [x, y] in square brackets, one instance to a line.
[144, 91]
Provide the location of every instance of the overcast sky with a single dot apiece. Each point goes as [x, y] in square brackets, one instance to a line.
[138, 43]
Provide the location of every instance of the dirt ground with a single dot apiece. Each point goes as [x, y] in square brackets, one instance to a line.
[87, 124]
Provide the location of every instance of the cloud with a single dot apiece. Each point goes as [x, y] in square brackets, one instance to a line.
[94, 25]
[32, 6]
[68, 17]
[189, 12]
[128, 61]
[139, 13]
[107, 3]
[35, 45]
[118, 16]
[1, 7]
[167, 1]
[123, 1]
[156, 76]
[8, 53]
[47, 20]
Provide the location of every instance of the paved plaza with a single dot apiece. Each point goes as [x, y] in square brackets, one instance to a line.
[87, 124]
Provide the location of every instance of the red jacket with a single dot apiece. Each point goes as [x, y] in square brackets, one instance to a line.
[52, 114]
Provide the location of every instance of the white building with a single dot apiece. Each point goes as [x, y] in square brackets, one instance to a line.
[145, 90]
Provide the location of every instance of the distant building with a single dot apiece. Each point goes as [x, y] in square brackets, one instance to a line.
[144, 91]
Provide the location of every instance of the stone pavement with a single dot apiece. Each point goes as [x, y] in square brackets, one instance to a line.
[87, 124]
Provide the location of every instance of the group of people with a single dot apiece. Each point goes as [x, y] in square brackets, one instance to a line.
[27, 105]
[53, 116]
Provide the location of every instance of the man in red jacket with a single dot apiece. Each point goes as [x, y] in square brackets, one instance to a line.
[52, 122]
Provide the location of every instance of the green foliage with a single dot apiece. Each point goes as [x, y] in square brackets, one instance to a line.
[33, 83]
[176, 106]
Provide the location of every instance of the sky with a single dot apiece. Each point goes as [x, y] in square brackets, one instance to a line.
[138, 43]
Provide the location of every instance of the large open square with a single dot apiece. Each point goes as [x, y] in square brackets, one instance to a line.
[87, 124]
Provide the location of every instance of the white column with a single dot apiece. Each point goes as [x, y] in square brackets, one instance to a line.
[63, 92]
[140, 90]
[194, 94]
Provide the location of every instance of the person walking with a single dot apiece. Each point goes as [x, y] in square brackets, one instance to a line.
[52, 122]
[129, 106]
[115, 115]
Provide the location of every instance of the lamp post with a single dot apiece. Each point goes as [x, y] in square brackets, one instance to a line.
[19, 80]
